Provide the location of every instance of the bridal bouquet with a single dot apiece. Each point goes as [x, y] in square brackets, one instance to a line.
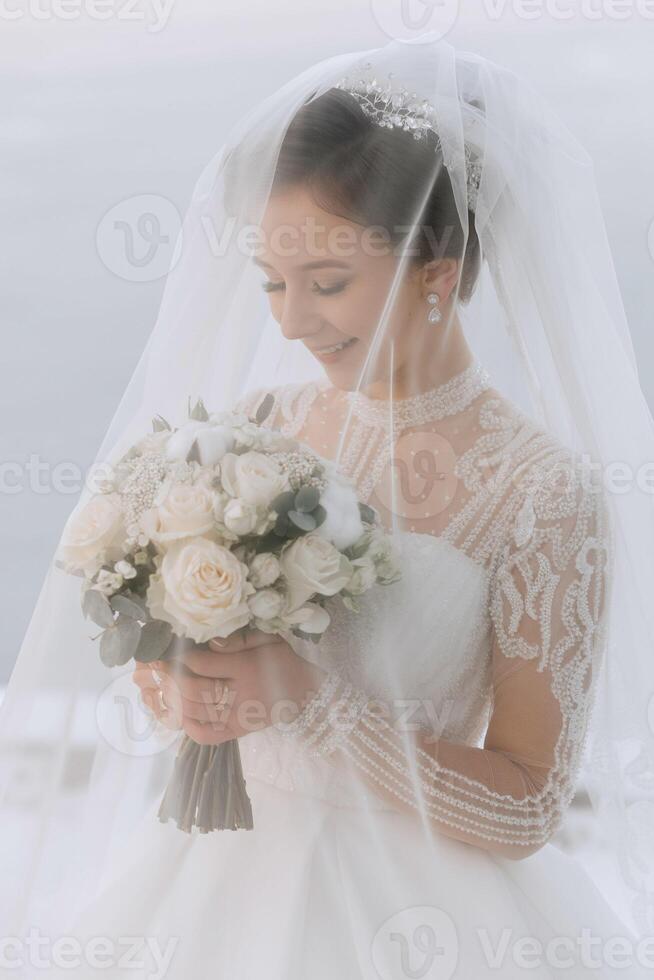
[216, 526]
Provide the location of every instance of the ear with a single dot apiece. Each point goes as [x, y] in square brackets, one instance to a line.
[440, 276]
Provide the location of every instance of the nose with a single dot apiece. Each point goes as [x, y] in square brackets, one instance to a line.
[297, 319]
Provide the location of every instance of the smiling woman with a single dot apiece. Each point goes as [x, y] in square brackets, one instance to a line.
[412, 751]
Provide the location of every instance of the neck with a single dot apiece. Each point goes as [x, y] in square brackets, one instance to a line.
[420, 375]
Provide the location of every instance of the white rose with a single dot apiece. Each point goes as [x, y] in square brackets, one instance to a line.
[201, 589]
[186, 510]
[381, 551]
[108, 582]
[311, 618]
[364, 576]
[264, 569]
[266, 604]
[311, 565]
[258, 437]
[240, 517]
[254, 477]
[125, 569]
[93, 534]
[213, 441]
[342, 525]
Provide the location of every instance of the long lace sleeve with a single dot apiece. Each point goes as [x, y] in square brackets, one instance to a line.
[548, 598]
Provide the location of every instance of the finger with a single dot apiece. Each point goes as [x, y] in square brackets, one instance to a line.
[178, 680]
[215, 663]
[243, 641]
[209, 712]
[151, 695]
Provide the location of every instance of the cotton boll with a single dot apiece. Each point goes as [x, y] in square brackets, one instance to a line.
[342, 525]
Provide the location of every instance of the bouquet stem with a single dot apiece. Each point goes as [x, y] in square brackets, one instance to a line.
[207, 789]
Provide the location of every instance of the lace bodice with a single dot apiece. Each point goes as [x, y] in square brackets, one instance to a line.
[493, 635]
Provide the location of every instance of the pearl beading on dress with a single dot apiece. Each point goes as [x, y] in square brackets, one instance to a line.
[449, 398]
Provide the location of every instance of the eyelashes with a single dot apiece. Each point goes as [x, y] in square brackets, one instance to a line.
[273, 287]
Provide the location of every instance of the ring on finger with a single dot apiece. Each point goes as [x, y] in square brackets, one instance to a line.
[220, 694]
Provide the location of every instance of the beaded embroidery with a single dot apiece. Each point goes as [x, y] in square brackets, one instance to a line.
[545, 545]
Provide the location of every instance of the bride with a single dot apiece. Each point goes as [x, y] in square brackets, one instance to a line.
[441, 319]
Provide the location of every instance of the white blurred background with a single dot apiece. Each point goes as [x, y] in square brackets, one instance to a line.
[104, 100]
[107, 101]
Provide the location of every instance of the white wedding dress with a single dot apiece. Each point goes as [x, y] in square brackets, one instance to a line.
[303, 896]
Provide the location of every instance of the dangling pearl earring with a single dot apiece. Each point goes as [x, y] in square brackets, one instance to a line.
[434, 314]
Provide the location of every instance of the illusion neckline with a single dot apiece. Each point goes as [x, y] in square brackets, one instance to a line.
[448, 398]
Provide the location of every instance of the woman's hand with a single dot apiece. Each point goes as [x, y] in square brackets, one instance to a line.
[266, 682]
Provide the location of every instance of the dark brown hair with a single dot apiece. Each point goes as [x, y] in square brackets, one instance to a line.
[373, 176]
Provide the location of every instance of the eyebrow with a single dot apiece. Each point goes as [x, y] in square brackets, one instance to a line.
[316, 264]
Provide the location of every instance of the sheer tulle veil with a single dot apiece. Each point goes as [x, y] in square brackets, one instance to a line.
[539, 301]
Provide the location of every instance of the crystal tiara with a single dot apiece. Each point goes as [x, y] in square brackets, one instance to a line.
[402, 109]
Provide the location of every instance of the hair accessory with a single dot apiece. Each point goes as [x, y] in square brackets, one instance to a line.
[402, 109]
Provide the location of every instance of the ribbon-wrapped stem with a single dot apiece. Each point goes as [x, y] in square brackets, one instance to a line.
[207, 789]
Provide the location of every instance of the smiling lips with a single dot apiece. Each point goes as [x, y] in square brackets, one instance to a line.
[334, 347]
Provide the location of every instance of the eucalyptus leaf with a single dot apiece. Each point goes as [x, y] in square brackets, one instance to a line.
[264, 408]
[367, 513]
[95, 606]
[306, 499]
[282, 526]
[159, 424]
[314, 637]
[110, 647]
[199, 412]
[129, 632]
[350, 603]
[130, 605]
[319, 514]
[193, 455]
[304, 521]
[154, 641]
[284, 502]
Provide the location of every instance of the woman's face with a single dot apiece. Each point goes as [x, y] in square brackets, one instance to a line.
[328, 280]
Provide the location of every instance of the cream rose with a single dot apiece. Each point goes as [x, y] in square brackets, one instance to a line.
[364, 575]
[186, 510]
[201, 589]
[254, 436]
[264, 569]
[311, 618]
[266, 604]
[240, 517]
[311, 565]
[254, 477]
[94, 534]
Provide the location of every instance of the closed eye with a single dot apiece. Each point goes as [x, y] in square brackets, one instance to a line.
[272, 287]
